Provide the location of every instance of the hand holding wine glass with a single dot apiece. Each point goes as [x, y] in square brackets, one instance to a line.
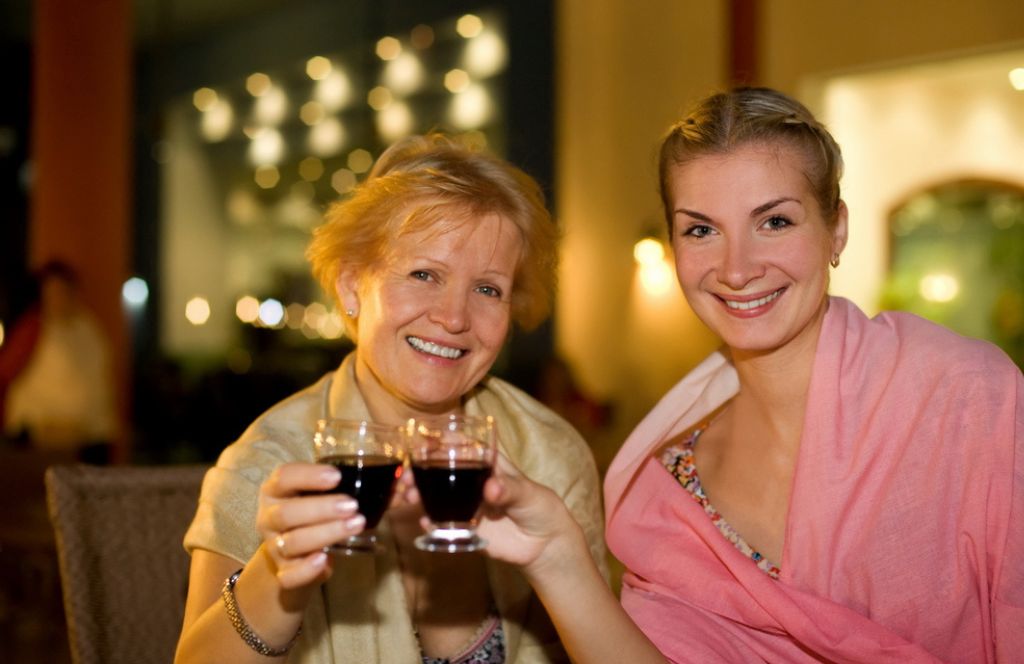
[526, 523]
[370, 457]
[298, 518]
[451, 460]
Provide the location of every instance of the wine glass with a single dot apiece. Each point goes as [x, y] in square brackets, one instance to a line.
[451, 459]
[370, 457]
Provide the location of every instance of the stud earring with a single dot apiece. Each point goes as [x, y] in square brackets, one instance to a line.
[351, 313]
[835, 260]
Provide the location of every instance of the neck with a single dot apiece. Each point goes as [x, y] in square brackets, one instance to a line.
[774, 385]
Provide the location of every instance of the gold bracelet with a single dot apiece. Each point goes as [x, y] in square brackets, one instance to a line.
[250, 637]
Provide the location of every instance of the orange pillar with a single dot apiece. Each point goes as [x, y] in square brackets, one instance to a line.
[81, 132]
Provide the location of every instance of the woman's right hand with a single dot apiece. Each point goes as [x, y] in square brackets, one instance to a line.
[296, 527]
[526, 523]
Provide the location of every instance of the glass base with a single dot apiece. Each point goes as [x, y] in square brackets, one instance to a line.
[450, 540]
[356, 545]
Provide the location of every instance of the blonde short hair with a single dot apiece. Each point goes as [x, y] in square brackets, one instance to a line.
[433, 180]
[729, 120]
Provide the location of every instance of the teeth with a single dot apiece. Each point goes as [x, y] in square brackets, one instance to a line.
[743, 306]
[434, 349]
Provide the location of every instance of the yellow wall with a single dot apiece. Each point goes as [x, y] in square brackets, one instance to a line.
[625, 71]
[801, 38]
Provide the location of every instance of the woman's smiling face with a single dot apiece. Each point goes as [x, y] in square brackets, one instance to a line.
[752, 246]
[432, 315]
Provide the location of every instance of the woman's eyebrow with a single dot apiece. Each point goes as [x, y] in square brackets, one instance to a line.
[761, 209]
[694, 214]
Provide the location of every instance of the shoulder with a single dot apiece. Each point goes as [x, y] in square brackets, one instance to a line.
[942, 348]
[899, 338]
[538, 440]
[525, 410]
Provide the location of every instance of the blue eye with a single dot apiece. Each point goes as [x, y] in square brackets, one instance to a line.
[698, 230]
[777, 223]
[489, 291]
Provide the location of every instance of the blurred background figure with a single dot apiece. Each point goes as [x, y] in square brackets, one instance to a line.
[55, 374]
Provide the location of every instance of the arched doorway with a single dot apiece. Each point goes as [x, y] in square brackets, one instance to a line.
[957, 258]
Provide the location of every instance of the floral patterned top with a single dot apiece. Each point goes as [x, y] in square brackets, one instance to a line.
[487, 647]
[679, 460]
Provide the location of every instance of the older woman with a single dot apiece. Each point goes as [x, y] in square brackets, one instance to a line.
[827, 487]
[431, 260]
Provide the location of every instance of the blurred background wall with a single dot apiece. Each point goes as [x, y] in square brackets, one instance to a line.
[112, 157]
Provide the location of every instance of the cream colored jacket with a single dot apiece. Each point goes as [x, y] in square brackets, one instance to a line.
[360, 615]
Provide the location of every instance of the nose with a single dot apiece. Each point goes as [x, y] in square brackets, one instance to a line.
[741, 263]
[451, 310]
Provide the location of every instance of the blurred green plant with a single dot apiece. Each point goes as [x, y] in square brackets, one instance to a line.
[958, 260]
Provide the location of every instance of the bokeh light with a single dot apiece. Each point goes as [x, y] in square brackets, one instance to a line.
[197, 310]
[334, 91]
[216, 121]
[343, 180]
[266, 148]
[656, 277]
[247, 308]
[1017, 78]
[938, 287]
[395, 122]
[331, 326]
[312, 112]
[469, 26]
[294, 314]
[311, 169]
[204, 98]
[257, 84]
[485, 54]
[314, 312]
[271, 107]
[648, 250]
[135, 292]
[271, 312]
[318, 68]
[404, 75]
[360, 160]
[388, 48]
[266, 177]
[456, 80]
[379, 97]
[470, 109]
[327, 138]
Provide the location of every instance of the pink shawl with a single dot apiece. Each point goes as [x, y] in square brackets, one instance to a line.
[905, 533]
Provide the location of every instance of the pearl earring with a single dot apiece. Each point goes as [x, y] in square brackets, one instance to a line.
[351, 313]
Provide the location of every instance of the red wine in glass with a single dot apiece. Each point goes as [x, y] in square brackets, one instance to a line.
[370, 479]
[451, 460]
[451, 492]
[370, 457]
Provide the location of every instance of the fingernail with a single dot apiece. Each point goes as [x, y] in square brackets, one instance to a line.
[331, 474]
[345, 505]
[356, 521]
[318, 560]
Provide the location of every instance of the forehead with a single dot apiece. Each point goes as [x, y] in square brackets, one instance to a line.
[474, 240]
[748, 169]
